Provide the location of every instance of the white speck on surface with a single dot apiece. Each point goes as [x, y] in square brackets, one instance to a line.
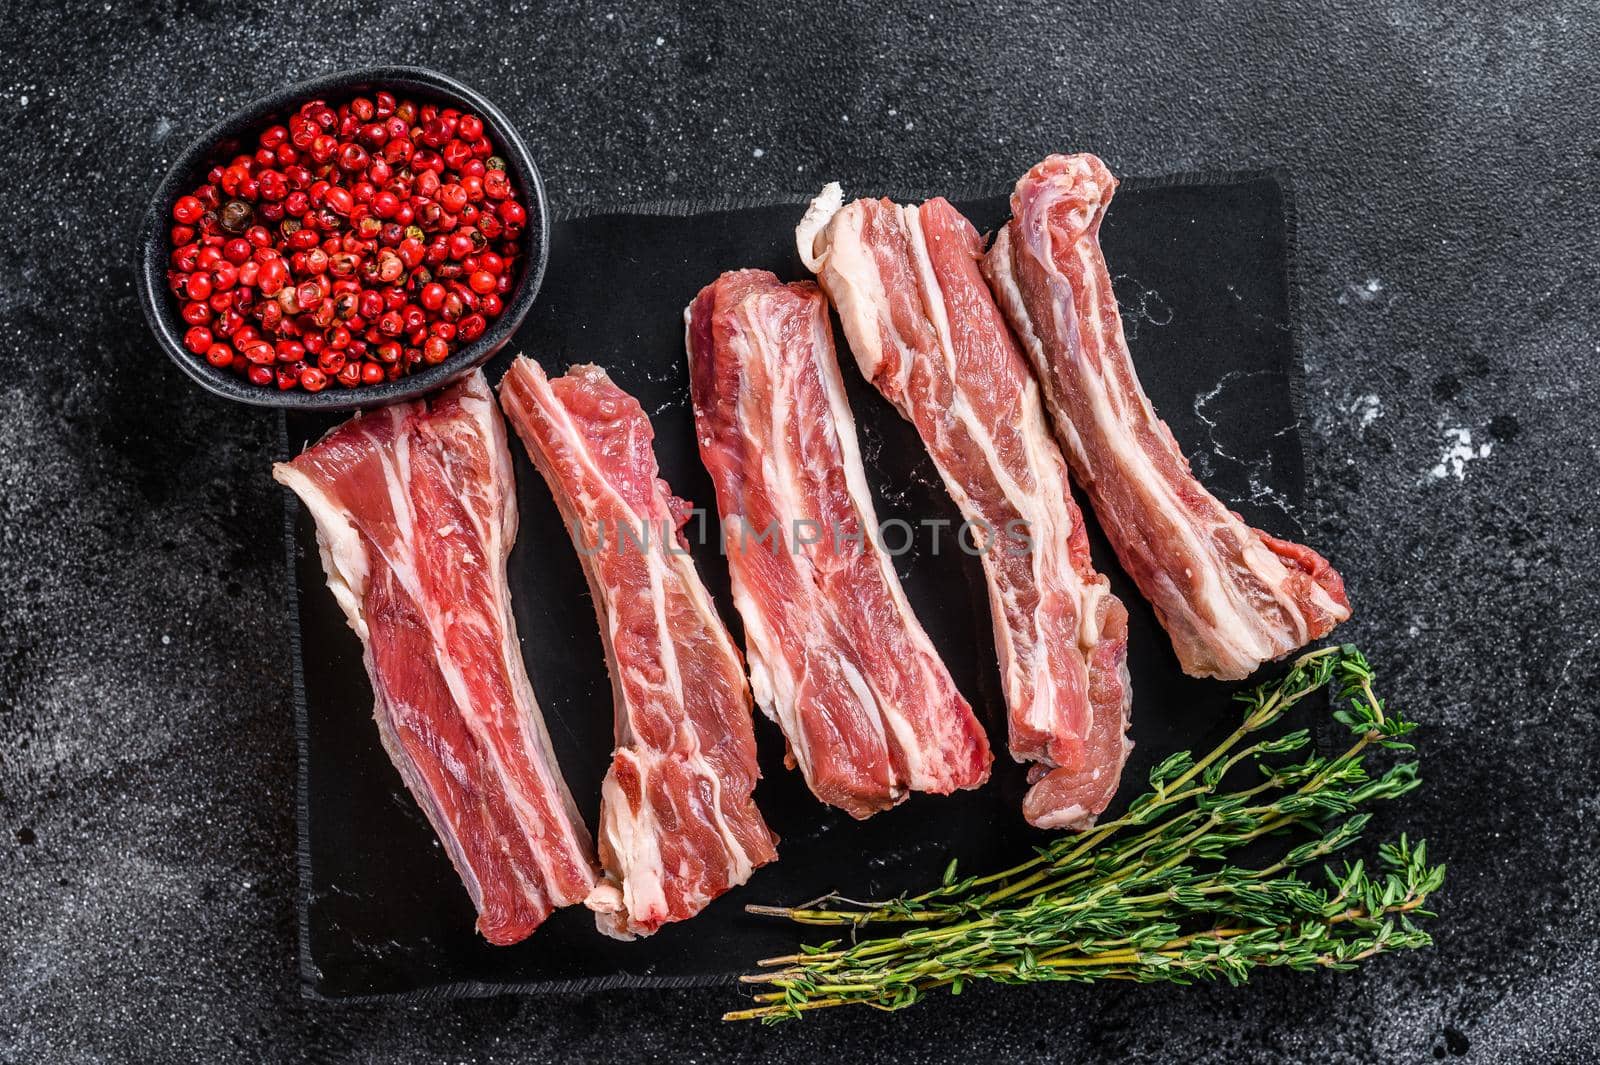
[1459, 450]
[165, 639]
[660, 41]
[1261, 491]
[23, 100]
[1365, 409]
[1566, 668]
[1147, 306]
[759, 152]
[1371, 290]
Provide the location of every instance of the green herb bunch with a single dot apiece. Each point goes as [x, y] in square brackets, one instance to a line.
[1162, 893]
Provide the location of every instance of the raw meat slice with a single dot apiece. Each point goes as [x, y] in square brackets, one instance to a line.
[1231, 597]
[416, 512]
[837, 658]
[925, 331]
[678, 826]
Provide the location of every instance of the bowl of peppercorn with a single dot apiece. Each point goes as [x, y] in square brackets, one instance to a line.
[346, 242]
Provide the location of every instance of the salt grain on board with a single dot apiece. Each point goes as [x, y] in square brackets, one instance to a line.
[1459, 450]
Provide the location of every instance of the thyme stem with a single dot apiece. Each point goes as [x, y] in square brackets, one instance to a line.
[1153, 894]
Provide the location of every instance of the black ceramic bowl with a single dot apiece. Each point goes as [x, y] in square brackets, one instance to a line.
[424, 86]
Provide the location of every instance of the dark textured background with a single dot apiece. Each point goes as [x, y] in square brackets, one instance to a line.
[1446, 168]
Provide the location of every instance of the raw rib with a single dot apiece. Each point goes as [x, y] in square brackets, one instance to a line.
[677, 824]
[926, 332]
[416, 512]
[1231, 597]
[837, 658]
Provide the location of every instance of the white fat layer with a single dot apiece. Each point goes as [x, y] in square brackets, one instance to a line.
[781, 471]
[920, 774]
[769, 373]
[494, 523]
[348, 569]
[390, 716]
[1213, 605]
[818, 214]
[1074, 817]
[850, 275]
[509, 762]
[772, 689]
[347, 566]
[1032, 488]
[777, 688]
[344, 556]
[634, 837]
[490, 426]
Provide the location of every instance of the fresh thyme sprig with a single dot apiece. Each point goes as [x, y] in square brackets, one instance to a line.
[1153, 895]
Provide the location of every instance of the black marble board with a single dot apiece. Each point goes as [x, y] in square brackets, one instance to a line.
[1201, 271]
